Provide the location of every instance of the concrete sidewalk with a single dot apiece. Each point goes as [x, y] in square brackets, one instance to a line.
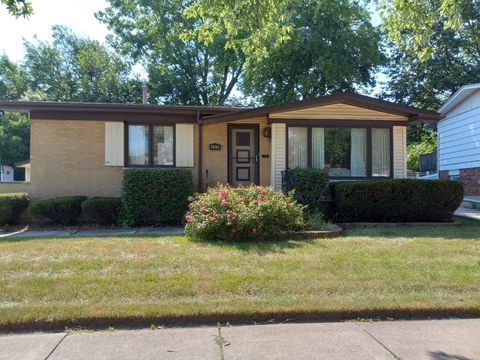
[25, 233]
[434, 340]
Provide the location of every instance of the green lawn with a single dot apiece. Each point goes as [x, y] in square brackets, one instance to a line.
[406, 268]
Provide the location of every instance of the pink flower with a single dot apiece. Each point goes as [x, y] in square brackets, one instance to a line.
[190, 206]
[259, 200]
[223, 202]
[254, 230]
[234, 231]
[188, 219]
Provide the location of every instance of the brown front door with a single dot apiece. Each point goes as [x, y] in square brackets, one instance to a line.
[243, 154]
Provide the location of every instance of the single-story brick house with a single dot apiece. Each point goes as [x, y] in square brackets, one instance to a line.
[82, 148]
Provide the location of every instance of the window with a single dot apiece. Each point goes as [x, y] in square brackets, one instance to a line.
[138, 145]
[150, 145]
[163, 145]
[344, 152]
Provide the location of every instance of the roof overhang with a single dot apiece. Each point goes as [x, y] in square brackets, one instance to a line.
[113, 112]
[454, 100]
[413, 114]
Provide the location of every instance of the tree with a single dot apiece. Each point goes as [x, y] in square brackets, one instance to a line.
[18, 7]
[75, 69]
[436, 49]
[181, 69]
[332, 47]
[14, 127]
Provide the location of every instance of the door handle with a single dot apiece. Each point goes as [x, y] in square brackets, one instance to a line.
[256, 158]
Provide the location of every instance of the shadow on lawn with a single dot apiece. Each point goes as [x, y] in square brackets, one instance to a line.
[258, 247]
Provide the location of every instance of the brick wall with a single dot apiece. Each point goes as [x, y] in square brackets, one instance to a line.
[68, 158]
[470, 179]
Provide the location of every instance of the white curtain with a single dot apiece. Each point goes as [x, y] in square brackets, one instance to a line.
[358, 154]
[297, 147]
[137, 145]
[380, 152]
[318, 148]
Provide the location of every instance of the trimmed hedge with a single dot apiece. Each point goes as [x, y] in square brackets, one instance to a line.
[60, 210]
[399, 200]
[155, 196]
[102, 210]
[312, 188]
[11, 207]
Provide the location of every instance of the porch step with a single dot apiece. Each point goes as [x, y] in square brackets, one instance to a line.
[471, 202]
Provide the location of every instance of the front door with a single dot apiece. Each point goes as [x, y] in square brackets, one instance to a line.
[243, 153]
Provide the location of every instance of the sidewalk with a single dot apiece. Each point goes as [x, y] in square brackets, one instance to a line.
[22, 234]
[433, 339]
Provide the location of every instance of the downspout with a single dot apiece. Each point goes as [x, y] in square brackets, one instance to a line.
[200, 150]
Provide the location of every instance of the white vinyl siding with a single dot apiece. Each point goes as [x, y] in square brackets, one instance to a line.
[279, 147]
[459, 136]
[184, 134]
[114, 143]
[399, 152]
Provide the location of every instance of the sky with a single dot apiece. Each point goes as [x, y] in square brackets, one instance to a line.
[78, 15]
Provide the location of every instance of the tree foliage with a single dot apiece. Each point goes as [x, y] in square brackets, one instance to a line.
[181, 70]
[436, 49]
[14, 127]
[18, 7]
[71, 68]
[332, 47]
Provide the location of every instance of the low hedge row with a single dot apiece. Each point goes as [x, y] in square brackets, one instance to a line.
[11, 207]
[60, 210]
[102, 210]
[399, 200]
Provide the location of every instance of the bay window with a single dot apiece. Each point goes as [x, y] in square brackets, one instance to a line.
[150, 145]
[344, 152]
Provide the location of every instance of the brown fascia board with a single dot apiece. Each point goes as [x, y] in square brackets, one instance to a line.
[345, 98]
[119, 112]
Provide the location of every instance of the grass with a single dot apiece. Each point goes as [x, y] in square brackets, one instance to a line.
[383, 269]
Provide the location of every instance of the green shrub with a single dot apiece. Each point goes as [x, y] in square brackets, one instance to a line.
[397, 200]
[11, 207]
[102, 210]
[312, 188]
[60, 210]
[242, 213]
[316, 221]
[155, 196]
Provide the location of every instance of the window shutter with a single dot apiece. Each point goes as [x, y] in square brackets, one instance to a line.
[114, 143]
[184, 145]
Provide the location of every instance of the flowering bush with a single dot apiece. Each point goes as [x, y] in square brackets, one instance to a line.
[242, 213]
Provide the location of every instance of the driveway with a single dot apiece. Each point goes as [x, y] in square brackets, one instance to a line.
[432, 339]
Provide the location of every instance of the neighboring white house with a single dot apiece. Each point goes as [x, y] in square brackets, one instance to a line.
[6, 173]
[459, 138]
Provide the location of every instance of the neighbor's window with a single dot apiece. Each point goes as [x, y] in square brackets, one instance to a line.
[150, 145]
[341, 151]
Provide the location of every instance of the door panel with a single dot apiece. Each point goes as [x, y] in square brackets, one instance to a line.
[243, 155]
